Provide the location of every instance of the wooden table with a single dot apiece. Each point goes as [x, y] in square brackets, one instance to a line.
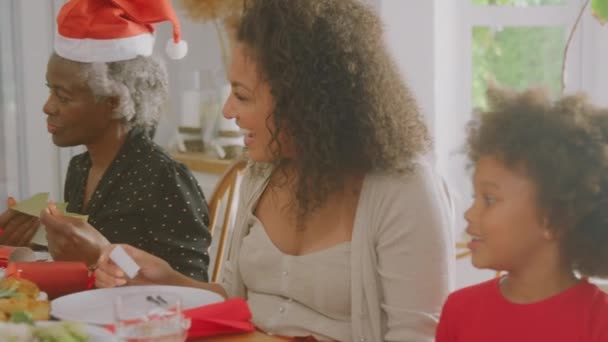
[256, 336]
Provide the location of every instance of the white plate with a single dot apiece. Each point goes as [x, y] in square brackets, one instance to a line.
[96, 306]
[96, 334]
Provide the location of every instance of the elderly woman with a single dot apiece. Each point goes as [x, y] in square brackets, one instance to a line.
[343, 230]
[131, 190]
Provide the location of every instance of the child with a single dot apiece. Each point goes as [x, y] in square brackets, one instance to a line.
[540, 213]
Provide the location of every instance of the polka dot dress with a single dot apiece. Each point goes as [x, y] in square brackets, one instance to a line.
[147, 200]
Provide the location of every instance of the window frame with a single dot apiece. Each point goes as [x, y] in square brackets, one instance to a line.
[12, 160]
[502, 16]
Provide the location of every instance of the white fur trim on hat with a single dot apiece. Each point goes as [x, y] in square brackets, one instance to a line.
[176, 50]
[104, 50]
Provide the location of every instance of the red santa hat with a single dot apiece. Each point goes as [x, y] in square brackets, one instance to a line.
[114, 30]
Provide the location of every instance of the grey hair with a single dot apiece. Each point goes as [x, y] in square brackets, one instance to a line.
[140, 84]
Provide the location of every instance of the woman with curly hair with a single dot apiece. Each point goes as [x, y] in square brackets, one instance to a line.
[539, 213]
[343, 230]
[107, 95]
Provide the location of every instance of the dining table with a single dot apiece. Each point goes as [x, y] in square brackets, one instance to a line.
[255, 336]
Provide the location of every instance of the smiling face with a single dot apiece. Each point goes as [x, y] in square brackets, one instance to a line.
[251, 104]
[74, 116]
[505, 220]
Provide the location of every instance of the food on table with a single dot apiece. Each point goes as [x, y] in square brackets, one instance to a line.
[58, 332]
[23, 286]
[22, 317]
[20, 298]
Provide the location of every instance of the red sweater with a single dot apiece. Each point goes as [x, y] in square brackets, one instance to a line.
[481, 314]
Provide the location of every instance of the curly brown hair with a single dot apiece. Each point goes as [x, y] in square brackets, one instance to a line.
[563, 147]
[338, 95]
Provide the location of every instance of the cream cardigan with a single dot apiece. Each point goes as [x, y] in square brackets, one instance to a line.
[402, 253]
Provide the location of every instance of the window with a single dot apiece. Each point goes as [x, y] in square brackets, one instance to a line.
[519, 43]
[522, 3]
[9, 182]
[516, 57]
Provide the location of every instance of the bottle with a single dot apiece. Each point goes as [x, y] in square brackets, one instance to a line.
[191, 103]
[210, 107]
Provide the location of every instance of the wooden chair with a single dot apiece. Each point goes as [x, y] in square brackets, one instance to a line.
[226, 188]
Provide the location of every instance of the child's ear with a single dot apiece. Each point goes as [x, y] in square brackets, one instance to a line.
[549, 232]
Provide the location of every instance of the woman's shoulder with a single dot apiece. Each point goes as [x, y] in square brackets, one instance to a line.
[155, 159]
[154, 153]
[149, 160]
[417, 178]
[416, 200]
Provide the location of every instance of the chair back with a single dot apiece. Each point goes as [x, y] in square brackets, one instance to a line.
[225, 195]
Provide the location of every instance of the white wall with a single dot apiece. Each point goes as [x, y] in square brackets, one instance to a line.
[39, 170]
[595, 68]
[9, 165]
[410, 32]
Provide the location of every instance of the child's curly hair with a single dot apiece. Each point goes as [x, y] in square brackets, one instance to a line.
[337, 93]
[563, 148]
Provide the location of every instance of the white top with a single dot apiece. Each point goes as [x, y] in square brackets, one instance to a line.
[402, 253]
[297, 295]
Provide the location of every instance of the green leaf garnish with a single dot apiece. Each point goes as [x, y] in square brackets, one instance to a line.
[600, 10]
[8, 293]
[22, 317]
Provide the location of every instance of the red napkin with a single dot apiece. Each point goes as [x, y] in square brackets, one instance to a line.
[228, 317]
[56, 278]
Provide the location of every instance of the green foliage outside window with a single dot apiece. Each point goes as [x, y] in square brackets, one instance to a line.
[519, 2]
[600, 10]
[517, 57]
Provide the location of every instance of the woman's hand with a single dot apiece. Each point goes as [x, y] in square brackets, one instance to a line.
[152, 270]
[18, 229]
[70, 238]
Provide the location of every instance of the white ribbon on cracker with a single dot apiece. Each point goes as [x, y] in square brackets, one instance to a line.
[124, 261]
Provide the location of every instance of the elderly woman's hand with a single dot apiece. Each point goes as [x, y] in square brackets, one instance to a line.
[70, 238]
[152, 270]
[18, 229]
